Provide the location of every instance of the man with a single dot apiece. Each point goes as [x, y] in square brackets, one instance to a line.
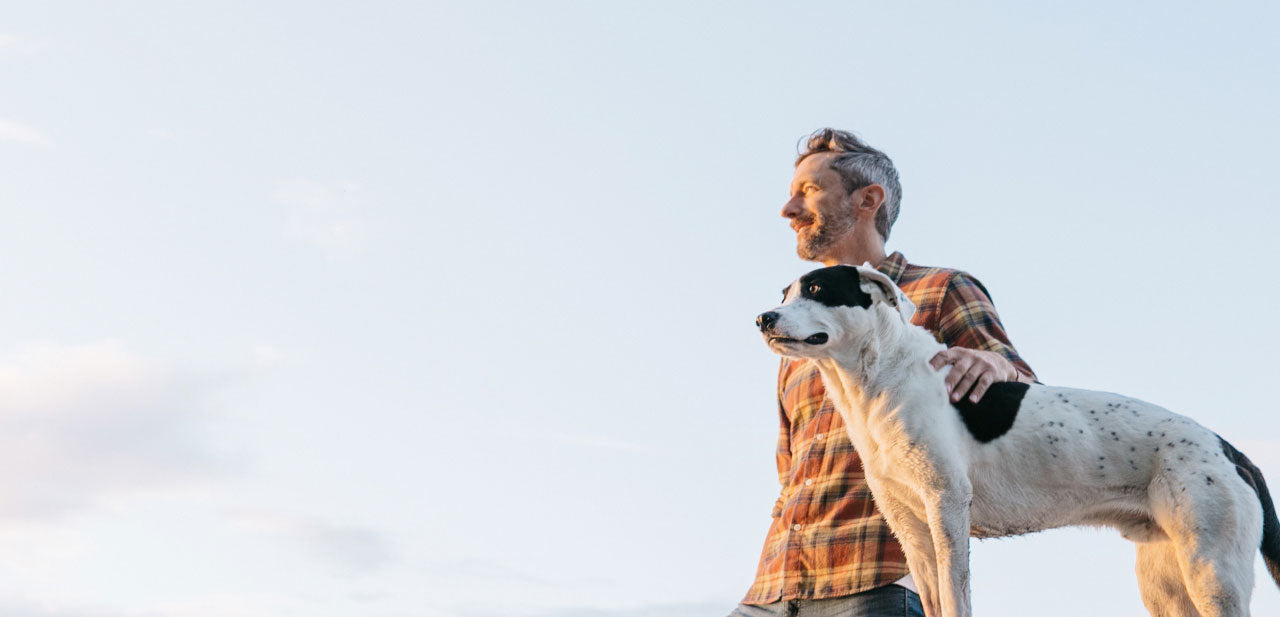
[828, 552]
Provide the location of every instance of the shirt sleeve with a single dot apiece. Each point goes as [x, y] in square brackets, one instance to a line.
[784, 440]
[968, 319]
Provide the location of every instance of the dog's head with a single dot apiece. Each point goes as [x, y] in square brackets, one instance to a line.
[829, 309]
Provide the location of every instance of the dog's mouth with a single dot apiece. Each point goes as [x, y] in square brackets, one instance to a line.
[816, 339]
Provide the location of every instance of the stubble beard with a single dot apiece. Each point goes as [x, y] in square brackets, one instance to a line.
[816, 240]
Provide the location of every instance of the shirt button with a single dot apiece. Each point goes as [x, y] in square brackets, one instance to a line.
[796, 527]
[818, 436]
[808, 482]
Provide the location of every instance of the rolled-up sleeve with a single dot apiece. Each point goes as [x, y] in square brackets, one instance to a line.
[968, 319]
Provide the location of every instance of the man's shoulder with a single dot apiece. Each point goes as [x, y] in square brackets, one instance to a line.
[923, 284]
[915, 276]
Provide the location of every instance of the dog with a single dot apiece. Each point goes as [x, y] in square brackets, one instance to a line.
[1025, 458]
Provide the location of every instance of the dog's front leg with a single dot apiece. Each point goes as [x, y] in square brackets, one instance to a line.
[924, 570]
[948, 514]
[912, 530]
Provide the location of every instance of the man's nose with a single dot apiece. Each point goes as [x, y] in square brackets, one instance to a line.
[766, 320]
[792, 208]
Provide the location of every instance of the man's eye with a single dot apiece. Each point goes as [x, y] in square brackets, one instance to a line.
[810, 188]
[814, 289]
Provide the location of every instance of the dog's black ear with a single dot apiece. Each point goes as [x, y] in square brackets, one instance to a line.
[883, 289]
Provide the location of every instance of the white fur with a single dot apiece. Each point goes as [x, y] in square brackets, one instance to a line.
[1072, 457]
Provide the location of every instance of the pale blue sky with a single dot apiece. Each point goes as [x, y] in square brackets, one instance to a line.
[417, 309]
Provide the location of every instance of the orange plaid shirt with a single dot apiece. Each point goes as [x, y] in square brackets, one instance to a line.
[827, 540]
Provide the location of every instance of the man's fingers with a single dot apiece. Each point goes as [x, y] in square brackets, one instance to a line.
[966, 382]
[943, 358]
[980, 388]
[959, 370]
[972, 371]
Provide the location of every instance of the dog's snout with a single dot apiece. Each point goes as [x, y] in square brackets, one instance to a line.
[766, 320]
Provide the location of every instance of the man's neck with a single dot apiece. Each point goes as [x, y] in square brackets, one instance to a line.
[856, 255]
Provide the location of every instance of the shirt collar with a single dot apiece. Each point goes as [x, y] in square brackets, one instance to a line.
[893, 266]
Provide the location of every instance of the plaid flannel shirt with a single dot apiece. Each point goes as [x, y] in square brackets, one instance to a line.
[827, 540]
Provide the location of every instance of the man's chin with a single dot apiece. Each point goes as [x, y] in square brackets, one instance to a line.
[808, 252]
[810, 245]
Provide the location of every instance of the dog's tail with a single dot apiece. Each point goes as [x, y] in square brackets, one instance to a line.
[1270, 524]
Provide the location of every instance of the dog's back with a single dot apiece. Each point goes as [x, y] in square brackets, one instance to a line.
[1074, 457]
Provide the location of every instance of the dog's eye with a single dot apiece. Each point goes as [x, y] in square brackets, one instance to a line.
[814, 289]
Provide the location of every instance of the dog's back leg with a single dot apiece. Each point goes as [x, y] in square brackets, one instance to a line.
[1160, 581]
[1214, 527]
[1216, 581]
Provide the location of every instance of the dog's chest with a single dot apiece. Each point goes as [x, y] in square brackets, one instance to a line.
[901, 451]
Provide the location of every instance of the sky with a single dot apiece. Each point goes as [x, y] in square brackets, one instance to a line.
[446, 309]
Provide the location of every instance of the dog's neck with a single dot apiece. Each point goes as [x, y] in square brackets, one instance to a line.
[865, 380]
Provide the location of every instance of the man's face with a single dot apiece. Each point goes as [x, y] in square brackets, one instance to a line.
[821, 211]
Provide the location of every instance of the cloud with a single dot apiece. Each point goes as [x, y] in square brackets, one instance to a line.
[592, 441]
[348, 547]
[83, 423]
[162, 134]
[228, 604]
[651, 610]
[496, 587]
[333, 217]
[222, 605]
[17, 133]
[458, 574]
[18, 610]
[266, 356]
[574, 438]
[12, 43]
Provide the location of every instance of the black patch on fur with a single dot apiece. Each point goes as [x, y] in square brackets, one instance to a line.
[835, 286]
[992, 416]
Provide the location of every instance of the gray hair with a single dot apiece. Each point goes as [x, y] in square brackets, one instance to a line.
[859, 166]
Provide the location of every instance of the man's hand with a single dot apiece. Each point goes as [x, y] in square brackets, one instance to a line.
[971, 368]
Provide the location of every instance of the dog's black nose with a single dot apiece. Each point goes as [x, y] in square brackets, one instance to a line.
[766, 320]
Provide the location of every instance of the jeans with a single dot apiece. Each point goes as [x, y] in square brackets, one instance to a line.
[887, 601]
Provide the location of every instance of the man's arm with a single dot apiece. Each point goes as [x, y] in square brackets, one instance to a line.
[784, 439]
[978, 349]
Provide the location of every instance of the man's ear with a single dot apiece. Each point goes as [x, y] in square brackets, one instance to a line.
[882, 289]
[867, 200]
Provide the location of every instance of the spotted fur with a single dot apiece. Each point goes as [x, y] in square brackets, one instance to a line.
[1049, 457]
